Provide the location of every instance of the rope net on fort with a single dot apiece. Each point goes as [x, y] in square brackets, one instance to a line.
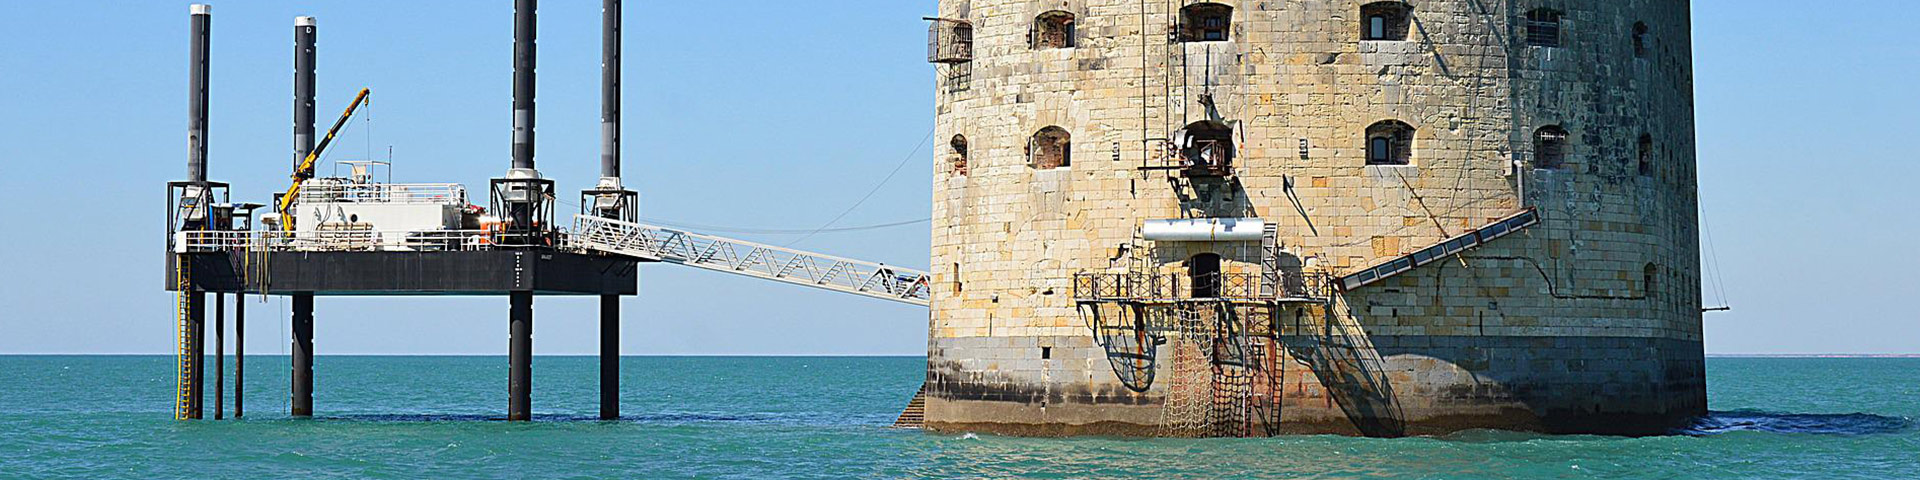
[1219, 379]
[1217, 361]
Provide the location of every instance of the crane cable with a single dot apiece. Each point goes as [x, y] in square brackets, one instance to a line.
[876, 189]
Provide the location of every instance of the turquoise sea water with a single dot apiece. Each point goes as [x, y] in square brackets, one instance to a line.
[743, 417]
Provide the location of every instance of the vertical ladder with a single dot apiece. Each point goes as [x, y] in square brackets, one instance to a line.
[183, 316]
[1270, 261]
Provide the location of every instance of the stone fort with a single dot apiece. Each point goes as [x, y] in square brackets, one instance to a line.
[1384, 218]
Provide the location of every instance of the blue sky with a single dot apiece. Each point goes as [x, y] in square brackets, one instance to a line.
[770, 114]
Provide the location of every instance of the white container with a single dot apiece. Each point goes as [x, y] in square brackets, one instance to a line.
[1204, 230]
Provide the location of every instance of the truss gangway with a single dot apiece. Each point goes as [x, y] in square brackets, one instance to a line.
[667, 245]
[1439, 251]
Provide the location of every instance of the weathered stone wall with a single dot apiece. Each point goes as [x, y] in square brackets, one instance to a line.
[1589, 321]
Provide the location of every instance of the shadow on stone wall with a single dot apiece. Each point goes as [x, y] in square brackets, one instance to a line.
[1333, 347]
[1130, 344]
[1339, 353]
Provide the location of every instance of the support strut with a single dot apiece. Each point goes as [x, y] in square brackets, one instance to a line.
[303, 354]
[239, 353]
[609, 357]
[199, 354]
[520, 357]
[219, 355]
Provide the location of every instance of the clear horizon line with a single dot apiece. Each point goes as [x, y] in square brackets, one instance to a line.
[592, 355]
[823, 355]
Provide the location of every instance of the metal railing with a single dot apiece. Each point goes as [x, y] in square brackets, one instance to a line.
[654, 243]
[1174, 287]
[949, 41]
[334, 240]
[404, 193]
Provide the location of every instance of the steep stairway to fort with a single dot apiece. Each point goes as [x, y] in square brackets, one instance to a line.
[915, 415]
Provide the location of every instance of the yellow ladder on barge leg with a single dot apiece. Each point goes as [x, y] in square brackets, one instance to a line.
[183, 316]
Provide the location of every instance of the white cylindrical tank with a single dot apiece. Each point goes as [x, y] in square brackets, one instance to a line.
[1204, 229]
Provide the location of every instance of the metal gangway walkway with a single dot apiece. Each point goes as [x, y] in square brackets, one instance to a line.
[740, 257]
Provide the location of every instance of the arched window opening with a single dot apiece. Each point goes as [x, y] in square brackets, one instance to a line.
[1390, 142]
[1649, 279]
[1385, 20]
[1639, 39]
[1646, 154]
[1543, 27]
[1205, 22]
[1203, 273]
[1550, 147]
[959, 154]
[1053, 29]
[1050, 148]
[1206, 147]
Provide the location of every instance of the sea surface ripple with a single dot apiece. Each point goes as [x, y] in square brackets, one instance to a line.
[826, 417]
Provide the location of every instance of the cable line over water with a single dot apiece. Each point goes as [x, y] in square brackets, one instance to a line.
[876, 189]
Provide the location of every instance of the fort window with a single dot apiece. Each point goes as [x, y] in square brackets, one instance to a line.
[1543, 27]
[1550, 147]
[1649, 276]
[949, 41]
[1205, 22]
[1050, 148]
[1053, 29]
[1646, 154]
[1203, 271]
[1206, 145]
[959, 154]
[1390, 142]
[959, 77]
[1639, 39]
[1385, 20]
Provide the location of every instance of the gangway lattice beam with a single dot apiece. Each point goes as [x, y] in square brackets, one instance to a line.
[1436, 252]
[740, 257]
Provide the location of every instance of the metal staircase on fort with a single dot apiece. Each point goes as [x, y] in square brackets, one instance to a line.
[915, 415]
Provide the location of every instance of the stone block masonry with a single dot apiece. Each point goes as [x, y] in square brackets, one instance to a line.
[1587, 322]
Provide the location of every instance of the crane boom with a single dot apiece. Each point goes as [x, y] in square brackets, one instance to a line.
[305, 170]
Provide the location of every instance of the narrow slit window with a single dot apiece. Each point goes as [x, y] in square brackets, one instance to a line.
[958, 157]
[1543, 27]
[1646, 155]
[1206, 22]
[1385, 20]
[1649, 279]
[1639, 39]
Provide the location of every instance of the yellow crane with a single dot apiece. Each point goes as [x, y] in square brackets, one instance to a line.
[305, 170]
